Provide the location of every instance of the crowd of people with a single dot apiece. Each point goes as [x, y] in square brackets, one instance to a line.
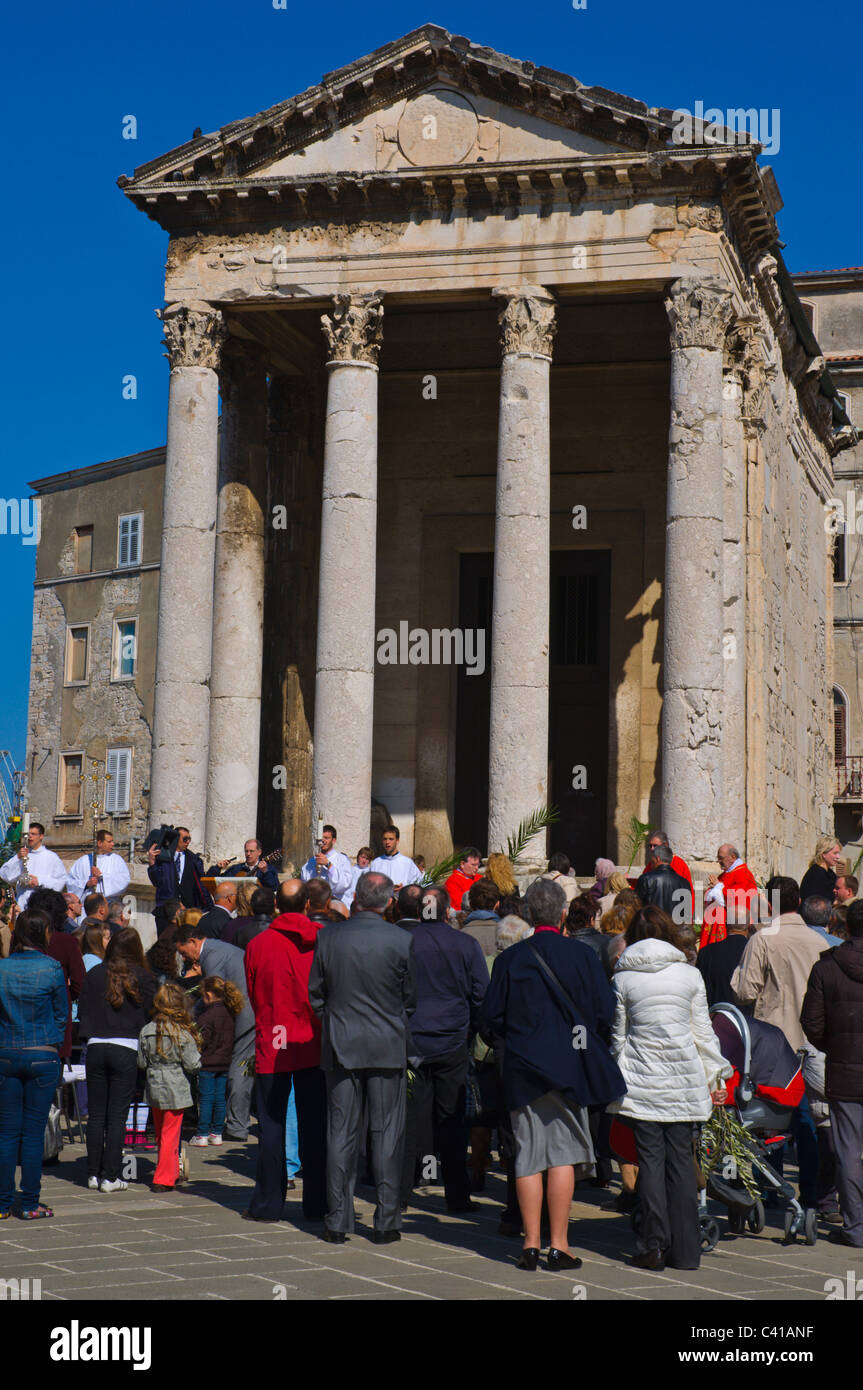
[376, 1024]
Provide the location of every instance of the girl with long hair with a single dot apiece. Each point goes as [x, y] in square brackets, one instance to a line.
[169, 1051]
[115, 1003]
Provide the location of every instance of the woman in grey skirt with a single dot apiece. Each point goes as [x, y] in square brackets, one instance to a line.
[549, 1007]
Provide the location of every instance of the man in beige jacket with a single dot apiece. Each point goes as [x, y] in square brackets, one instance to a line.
[772, 978]
[774, 971]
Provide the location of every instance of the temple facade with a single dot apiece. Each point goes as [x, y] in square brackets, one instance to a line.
[498, 452]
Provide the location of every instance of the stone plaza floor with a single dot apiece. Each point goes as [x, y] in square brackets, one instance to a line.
[193, 1245]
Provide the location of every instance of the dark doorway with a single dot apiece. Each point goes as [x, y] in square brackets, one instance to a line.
[578, 704]
[470, 818]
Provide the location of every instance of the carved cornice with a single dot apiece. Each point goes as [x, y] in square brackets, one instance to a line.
[527, 320]
[699, 312]
[193, 337]
[354, 330]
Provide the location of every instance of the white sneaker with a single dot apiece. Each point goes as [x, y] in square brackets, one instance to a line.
[93, 1184]
[198, 1141]
[116, 1186]
[215, 1138]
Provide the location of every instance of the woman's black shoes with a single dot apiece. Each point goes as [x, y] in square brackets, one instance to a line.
[529, 1259]
[557, 1260]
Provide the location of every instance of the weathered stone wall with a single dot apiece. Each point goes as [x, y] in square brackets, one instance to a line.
[789, 634]
[89, 717]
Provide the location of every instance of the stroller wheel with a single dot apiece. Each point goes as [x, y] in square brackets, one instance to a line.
[709, 1234]
[755, 1219]
[810, 1226]
[790, 1222]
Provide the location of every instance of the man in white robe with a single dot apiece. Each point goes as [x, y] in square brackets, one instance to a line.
[396, 866]
[44, 868]
[107, 873]
[329, 863]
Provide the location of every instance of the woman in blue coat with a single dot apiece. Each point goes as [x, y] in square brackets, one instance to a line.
[549, 1008]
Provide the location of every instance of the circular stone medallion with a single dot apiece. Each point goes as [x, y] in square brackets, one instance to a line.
[440, 127]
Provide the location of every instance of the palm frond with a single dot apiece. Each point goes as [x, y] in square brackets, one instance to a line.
[530, 826]
[441, 869]
[637, 831]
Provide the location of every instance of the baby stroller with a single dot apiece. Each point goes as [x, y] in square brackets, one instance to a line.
[763, 1092]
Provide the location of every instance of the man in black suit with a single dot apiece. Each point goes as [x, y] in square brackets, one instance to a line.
[180, 878]
[660, 885]
[362, 985]
[223, 911]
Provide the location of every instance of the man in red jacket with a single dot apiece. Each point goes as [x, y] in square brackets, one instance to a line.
[728, 897]
[463, 878]
[287, 1053]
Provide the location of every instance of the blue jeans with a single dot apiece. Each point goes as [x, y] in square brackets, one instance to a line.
[292, 1138]
[806, 1142]
[212, 1096]
[28, 1082]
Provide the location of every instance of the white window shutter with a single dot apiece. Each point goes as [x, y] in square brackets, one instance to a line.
[129, 541]
[117, 787]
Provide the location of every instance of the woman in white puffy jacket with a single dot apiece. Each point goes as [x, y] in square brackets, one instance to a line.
[664, 1044]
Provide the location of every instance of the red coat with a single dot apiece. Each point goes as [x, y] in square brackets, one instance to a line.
[278, 965]
[457, 885]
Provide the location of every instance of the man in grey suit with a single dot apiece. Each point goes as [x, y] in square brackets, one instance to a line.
[220, 958]
[363, 987]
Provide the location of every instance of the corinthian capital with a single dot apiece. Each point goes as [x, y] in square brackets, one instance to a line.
[699, 312]
[354, 329]
[193, 337]
[526, 319]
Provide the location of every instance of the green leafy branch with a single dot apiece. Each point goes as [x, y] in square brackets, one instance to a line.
[538, 820]
[724, 1137]
[637, 831]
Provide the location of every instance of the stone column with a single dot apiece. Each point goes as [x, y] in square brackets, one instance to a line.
[518, 744]
[238, 605]
[734, 471]
[344, 684]
[699, 312]
[181, 713]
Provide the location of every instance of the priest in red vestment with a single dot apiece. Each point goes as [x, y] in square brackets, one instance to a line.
[729, 892]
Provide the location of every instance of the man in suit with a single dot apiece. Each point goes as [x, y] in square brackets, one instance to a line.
[662, 885]
[223, 911]
[218, 958]
[180, 878]
[362, 985]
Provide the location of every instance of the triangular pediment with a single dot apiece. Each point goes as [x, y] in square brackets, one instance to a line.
[431, 99]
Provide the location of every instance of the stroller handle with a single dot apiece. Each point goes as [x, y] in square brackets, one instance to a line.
[746, 1089]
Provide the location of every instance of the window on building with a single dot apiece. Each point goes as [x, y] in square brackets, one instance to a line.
[71, 784]
[845, 401]
[83, 549]
[124, 660]
[129, 540]
[840, 726]
[77, 655]
[840, 555]
[809, 311]
[119, 781]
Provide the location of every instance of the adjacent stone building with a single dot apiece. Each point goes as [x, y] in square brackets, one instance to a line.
[833, 303]
[94, 650]
[518, 486]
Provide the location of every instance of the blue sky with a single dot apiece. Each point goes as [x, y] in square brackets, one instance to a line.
[84, 268]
